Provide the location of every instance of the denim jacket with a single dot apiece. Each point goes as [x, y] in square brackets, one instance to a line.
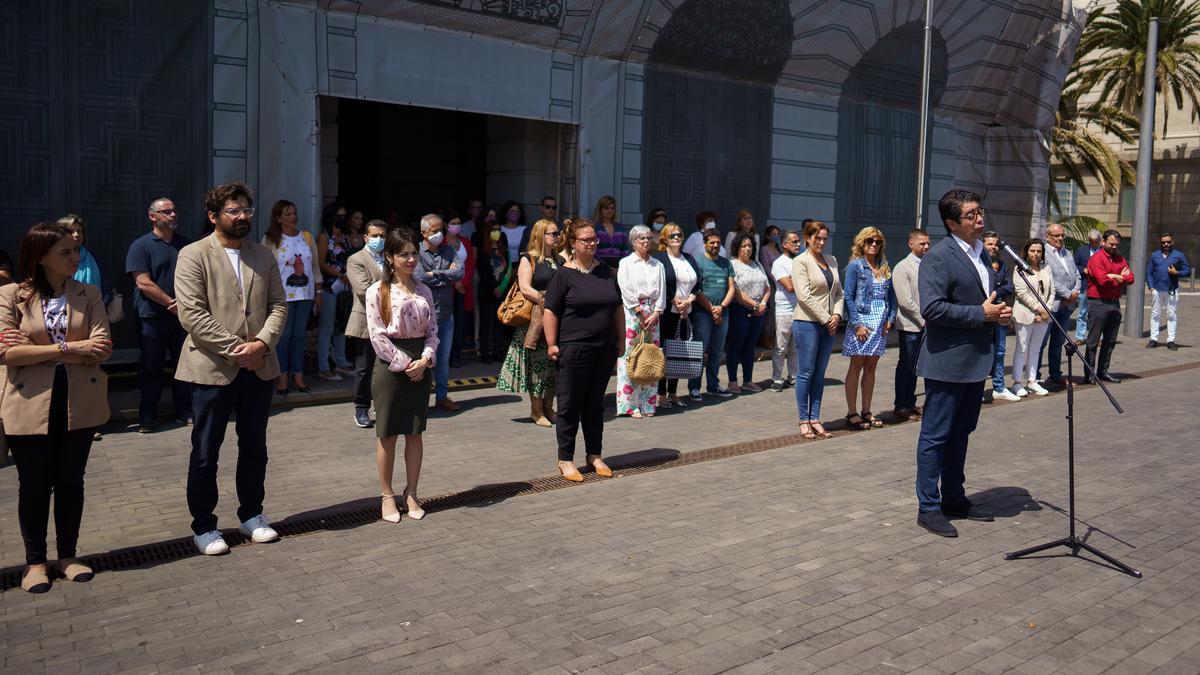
[858, 293]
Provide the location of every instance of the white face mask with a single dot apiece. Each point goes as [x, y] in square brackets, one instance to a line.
[710, 225]
[375, 244]
[436, 238]
[657, 226]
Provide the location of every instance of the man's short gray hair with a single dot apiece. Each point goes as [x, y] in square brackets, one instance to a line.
[158, 203]
[1093, 235]
[428, 220]
[637, 231]
[788, 233]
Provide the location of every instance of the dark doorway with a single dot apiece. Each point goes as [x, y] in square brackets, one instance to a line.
[879, 121]
[408, 159]
[708, 108]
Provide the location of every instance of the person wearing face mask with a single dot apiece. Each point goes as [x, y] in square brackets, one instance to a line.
[771, 248]
[151, 262]
[1163, 271]
[494, 272]
[694, 245]
[296, 254]
[656, 220]
[364, 269]
[438, 268]
[464, 293]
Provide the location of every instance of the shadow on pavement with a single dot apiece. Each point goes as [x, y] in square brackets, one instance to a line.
[1006, 502]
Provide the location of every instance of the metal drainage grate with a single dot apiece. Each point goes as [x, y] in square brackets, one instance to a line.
[342, 518]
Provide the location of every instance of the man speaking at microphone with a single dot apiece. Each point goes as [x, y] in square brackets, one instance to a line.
[958, 301]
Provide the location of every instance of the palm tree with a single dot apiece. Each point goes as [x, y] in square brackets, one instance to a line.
[1075, 144]
[1119, 37]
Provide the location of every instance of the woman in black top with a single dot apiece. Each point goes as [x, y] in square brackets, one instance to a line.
[495, 273]
[583, 324]
[528, 369]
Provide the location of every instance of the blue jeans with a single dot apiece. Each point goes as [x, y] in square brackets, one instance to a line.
[741, 344]
[326, 338]
[290, 348]
[712, 336]
[249, 398]
[1081, 320]
[1056, 341]
[158, 337]
[813, 345]
[906, 369]
[441, 366]
[950, 414]
[998, 362]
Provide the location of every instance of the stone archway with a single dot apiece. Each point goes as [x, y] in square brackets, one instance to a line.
[878, 125]
[707, 106]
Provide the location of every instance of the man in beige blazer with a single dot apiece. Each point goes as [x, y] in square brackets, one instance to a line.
[363, 269]
[233, 307]
[910, 323]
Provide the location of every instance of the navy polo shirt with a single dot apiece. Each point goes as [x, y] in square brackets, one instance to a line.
[157, 257]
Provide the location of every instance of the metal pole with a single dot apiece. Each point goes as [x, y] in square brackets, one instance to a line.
[1136, 299]
[923, 141]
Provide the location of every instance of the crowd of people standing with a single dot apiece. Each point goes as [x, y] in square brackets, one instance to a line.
[234, 316]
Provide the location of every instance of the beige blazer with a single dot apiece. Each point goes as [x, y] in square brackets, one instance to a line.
[815, 300]
[362, 271]
[908, 295]
[1026, 304]
[25, 407]
[218, 315]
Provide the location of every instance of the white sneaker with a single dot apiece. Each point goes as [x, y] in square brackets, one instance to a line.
[1038, 389]
[258, 529]
[1021, 391]
[210, 543]
[1006, 395]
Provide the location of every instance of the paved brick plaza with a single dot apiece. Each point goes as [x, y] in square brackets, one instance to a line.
[795, 559]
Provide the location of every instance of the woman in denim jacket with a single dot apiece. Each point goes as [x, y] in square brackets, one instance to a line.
[871, 311]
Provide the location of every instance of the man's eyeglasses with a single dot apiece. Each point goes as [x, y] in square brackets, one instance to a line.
[165, 212]
[236, 213]
[974, 214]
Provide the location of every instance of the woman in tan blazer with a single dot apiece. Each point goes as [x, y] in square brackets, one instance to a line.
[55, 395]
[819, 309]
[1032, 321]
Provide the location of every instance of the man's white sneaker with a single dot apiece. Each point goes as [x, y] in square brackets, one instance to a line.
[1037, 389]
[210, 543]
[1006, 395]
[1021, 391]
[259, 529]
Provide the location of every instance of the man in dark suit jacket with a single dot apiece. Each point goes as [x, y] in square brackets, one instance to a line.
[957, 288]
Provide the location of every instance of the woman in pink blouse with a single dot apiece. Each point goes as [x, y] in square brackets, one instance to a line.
[403, 330]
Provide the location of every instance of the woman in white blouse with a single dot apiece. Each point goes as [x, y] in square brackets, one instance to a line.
[747, 314]
[643, 285]
[1031, 319]
[681, 276]
[403, 329]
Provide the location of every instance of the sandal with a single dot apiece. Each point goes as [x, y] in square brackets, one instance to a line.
[806, 431]
[873, 422]
[819, 430]
[860, 424]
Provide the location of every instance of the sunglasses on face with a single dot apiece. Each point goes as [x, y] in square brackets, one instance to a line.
[550, 207]
[872, 241]
[675, 236]
[555, 234]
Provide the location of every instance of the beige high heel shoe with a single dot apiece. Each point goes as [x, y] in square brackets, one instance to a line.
[390, 517]
[417, 513]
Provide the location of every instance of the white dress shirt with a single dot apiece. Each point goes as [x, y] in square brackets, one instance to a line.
[975, 253]
[642, 281]
[685, 278]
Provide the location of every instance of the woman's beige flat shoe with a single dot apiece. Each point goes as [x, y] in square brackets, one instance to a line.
[73, 570]
[35, 581]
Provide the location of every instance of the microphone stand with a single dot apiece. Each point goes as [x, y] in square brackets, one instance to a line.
[1071, 541]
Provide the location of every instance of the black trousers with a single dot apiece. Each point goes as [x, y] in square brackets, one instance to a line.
[51, 463]
[159, 337]
[581, 376]
[1103, 320]
[667, 327]
[250, 398]
[364, 367]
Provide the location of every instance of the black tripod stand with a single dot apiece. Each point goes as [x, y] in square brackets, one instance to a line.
[1071, 541]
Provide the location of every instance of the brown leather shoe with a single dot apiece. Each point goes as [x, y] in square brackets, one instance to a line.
[447, 405]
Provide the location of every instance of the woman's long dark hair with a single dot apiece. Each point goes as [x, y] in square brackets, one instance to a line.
[396, 240]
[36, 243]
[502, 214]
[329, 213]
[274, 229]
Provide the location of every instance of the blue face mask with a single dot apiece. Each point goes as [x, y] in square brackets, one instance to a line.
[375, 244]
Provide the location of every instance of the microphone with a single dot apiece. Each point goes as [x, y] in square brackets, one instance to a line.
[1018, 261]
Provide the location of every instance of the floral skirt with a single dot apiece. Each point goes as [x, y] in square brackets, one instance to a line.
[630, 396]
[526, 370]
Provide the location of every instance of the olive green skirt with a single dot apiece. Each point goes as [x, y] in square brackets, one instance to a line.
[401, 405]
